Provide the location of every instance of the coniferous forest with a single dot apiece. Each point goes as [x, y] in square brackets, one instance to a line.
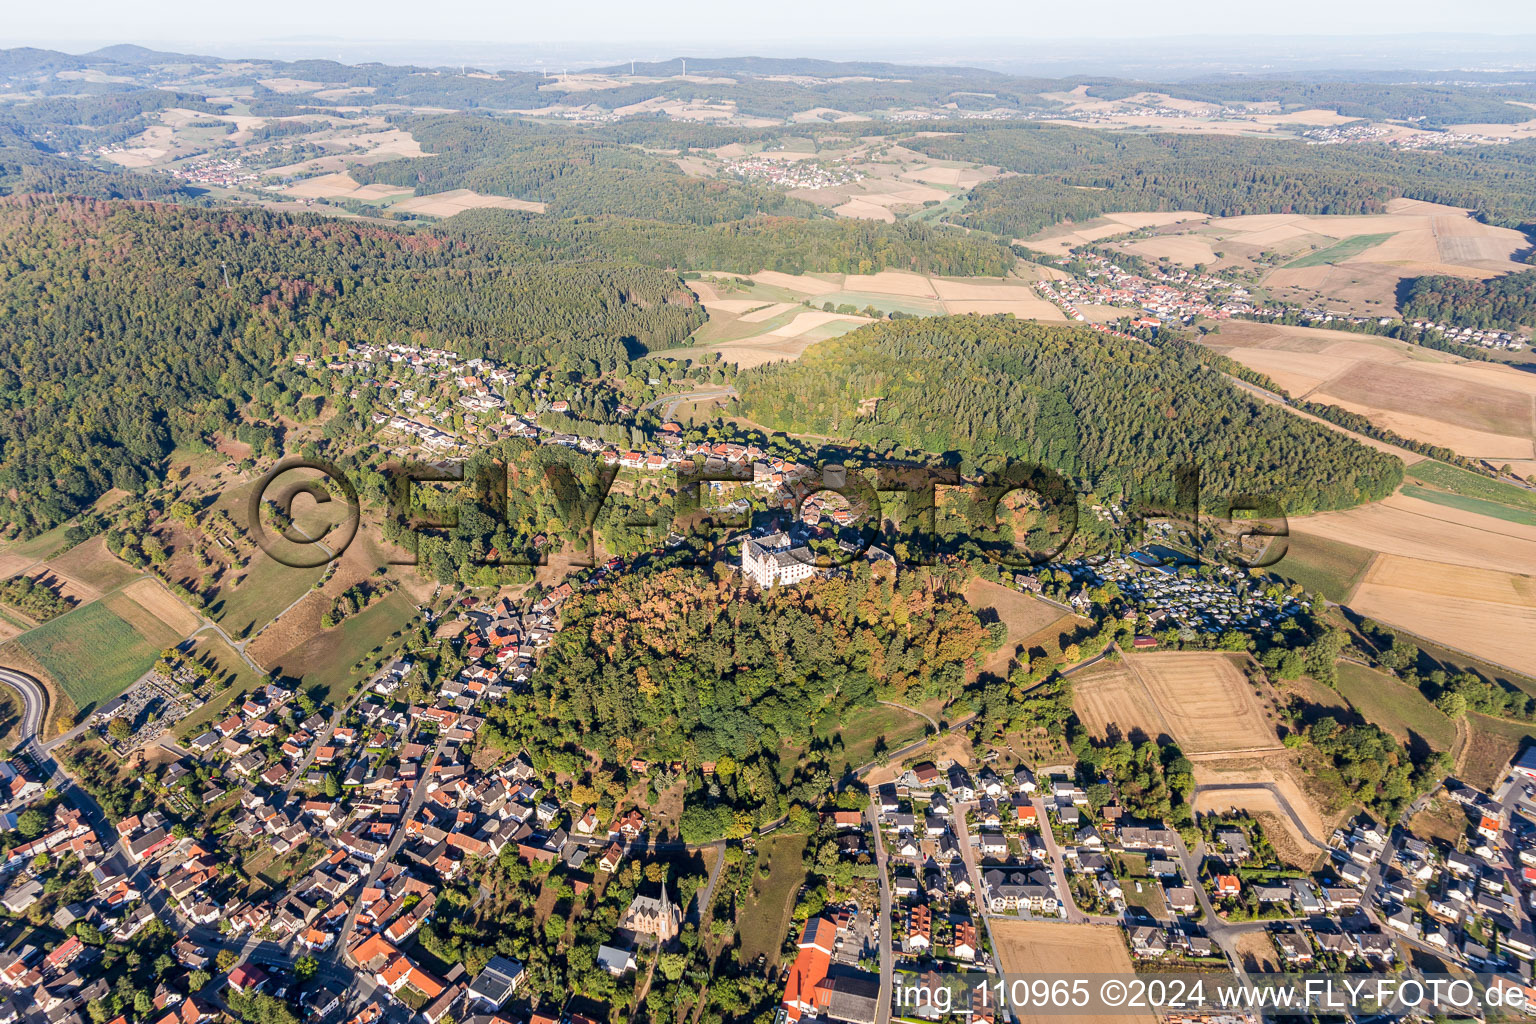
[1112, 413]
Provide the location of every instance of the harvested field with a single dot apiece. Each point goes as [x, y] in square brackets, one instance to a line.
[1201, 700]
[1407, 526]
[1185, 250]
[1480, 410]
[92, 564]
[1206, 699]
[802, 284]
[780, 343]
[65, 586]
[446, 204]
[1023, 307]
[804, 322]
[1110, 700]
[149, 597]
[1031, 949]
[891, 282]
[1156, 218]
[12, 563]
[1435, 403]
[768, 312]
[1355, 262]
[1484, 612]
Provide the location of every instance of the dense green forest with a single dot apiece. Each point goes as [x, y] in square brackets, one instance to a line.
[118, 340]
[1505, 302]
[675, 664]
[1109, 412]
[569, 172]
[786, 244]
[27, 165]
[1079, 174]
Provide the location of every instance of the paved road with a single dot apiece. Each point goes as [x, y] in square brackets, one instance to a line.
[887, 964]
[33, 703]
[418, 795]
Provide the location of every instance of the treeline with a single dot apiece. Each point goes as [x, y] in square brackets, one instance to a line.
[119, 340]
[1507, 302]
[1363, 425]
[1078, 174]
[1114, 415]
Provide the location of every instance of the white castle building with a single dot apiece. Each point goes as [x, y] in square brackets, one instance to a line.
[776, 559]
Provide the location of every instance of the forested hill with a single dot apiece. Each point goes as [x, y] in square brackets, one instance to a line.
[1104, 410]
[1506, 302]
[1068, 173]
[119, 340]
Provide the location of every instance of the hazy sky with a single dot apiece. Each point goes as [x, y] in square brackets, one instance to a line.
[723, 25]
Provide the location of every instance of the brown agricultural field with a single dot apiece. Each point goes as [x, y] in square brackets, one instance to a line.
[1484, 612]
[1023, 615]
[1201, 699]
[64, 585]
[146, 602]
[1030, 949]
[446, 204]
[1480, 410]
[93, 565]
[1414, 528]
[1206, 699]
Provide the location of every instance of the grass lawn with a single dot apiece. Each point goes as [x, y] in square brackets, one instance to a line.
[867, 726]
[325, 660]
[266, 590]
[93, 653]
[10, 717]
[1395, 706]
[1327, 567]
[41, 546]
[1492, 509]
[765, 918]
[1471, 485]
[1338, 252]
[1149, 899]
